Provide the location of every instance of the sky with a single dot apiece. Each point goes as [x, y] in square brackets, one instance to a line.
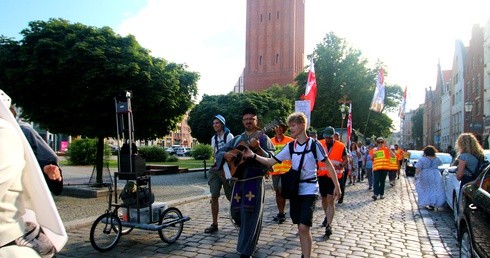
[409, 37]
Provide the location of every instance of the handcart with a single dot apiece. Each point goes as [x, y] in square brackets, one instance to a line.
[121, 219]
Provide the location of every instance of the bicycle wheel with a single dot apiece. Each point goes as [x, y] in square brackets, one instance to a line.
[105, 232]
[171, 217]
[124, 230]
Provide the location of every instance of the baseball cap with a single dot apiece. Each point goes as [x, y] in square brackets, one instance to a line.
[328, 132]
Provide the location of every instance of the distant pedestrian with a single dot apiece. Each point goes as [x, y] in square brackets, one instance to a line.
[354, 156]
[217, 179]
[399, 153]
[279, 141]
[368, 166]
[337, 154]
[428, 183]
[381, 165]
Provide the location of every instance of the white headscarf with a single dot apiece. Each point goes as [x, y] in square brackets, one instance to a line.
[39, 203]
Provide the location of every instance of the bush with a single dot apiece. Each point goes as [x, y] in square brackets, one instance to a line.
[173, 158]
[153, 154]
[202, 150]
[83, 151]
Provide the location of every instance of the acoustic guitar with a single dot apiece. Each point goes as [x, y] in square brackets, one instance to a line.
[235, 156]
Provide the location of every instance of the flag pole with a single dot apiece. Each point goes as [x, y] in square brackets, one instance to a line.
[367, 121]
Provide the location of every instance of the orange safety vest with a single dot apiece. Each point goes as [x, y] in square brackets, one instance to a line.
[393, 164]
[399, 154]
[334, 155]
[284, 166]
[381, 158]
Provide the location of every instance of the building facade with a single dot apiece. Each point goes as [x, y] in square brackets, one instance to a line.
[274, 50]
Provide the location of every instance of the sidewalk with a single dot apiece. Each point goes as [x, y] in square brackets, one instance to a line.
[393, 227]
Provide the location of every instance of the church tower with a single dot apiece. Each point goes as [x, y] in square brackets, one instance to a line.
[274, 50]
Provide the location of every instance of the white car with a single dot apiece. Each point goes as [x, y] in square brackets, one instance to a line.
[446, 159]
[183, 151]
[452, 185]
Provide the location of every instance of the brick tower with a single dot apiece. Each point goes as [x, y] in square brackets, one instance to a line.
[274, 50]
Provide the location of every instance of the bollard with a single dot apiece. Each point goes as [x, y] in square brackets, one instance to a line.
[203, 157]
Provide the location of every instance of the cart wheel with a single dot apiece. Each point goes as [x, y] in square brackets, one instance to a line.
[124, 230]
[105, 232]
[172, 219]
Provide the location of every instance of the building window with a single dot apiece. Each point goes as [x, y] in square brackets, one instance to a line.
[277, 15]
[261, 18]
[260, 60]
[277, 58]
[269, 16]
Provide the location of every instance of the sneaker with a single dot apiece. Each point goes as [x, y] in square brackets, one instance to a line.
[324, 223]
[375, 197]
[328, 231]
[280, 217]
[382, 197]
[392, 183]
[211, 229]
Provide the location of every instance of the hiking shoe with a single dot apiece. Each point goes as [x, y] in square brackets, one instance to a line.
[375, 197]
[382, 197]
[280, 217]
[328, 231]
[211, 229]
[324, 223]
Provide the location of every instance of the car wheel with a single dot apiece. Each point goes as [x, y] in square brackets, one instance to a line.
[465, 248]
[455, 210]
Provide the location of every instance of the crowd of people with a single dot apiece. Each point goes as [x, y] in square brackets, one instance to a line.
[324, 169]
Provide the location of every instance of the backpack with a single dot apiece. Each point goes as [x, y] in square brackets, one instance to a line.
[224, 138]
[291, 149]
[482, 164]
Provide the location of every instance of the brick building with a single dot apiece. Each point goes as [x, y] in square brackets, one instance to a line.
[274, 50]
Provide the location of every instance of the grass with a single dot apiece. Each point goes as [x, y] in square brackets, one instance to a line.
[182, 163]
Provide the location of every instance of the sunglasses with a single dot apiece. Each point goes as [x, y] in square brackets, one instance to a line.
[379, 142]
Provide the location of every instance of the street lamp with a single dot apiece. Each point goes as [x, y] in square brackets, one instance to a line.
[468, 107]
[343, 109]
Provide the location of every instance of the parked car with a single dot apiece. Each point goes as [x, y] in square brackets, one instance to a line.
[452, 185]
[413, 157]
[474, 223]
[170, 150]
[446, 159]
[183, 151]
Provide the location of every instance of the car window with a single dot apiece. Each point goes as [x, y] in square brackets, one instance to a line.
[415, 155]
[446, 159]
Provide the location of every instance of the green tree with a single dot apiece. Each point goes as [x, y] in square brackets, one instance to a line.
[342, 71]
[230, 106]
[65, 77]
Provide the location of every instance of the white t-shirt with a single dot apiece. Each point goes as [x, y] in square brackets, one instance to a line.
[221, 141]
[309, 168]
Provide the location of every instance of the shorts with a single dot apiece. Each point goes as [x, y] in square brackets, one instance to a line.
[326, 185]
[301, 209]
[276, 182]
[216, 181]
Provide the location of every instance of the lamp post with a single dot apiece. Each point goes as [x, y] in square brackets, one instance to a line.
[343, 110]
[468, 108]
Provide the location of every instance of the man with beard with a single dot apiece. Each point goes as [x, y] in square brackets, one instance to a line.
[247, 199]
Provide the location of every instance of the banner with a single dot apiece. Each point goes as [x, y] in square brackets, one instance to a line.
[310, 92]
[349, 124]
[303, 106]
[377, 103]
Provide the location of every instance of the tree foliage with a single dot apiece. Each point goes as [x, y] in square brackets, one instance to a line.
[342, 71]
[65, 77]
[269, 108]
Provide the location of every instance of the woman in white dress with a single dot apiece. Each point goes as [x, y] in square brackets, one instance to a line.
[429, 185]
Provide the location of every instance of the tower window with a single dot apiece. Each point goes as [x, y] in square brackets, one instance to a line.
[260, 60]
[269, 16]
[278, 15]
[261, 18]
[277, 58]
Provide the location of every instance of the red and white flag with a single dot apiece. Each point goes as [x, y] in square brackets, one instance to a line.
[401, 114]
[349, 123]
[310, 92]
[377, 103]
